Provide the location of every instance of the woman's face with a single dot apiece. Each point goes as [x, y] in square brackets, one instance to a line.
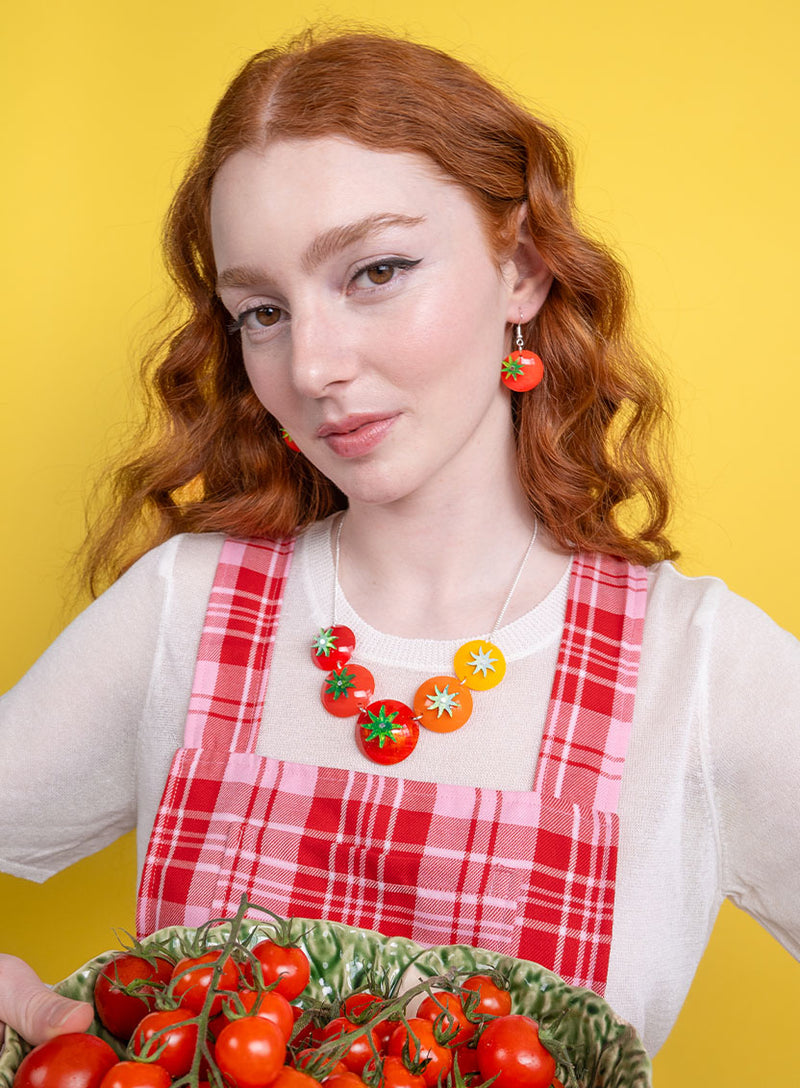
[373, 314]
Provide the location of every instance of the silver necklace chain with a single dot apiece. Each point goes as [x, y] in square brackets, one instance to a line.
[506, 602]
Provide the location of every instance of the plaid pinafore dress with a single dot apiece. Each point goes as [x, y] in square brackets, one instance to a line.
[527, 873]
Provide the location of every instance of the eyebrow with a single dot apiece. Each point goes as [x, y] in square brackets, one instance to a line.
[322, 247]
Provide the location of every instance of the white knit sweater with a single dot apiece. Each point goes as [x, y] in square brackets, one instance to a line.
[709, 804]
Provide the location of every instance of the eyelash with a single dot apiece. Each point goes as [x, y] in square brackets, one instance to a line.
[398, 264]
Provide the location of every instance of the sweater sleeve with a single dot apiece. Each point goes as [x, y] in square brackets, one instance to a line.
[68, 729]
[752, 764]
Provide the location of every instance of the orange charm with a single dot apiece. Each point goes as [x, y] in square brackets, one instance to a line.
[442, 704]
[479, 665]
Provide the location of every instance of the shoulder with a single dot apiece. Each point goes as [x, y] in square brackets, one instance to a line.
[689, 606]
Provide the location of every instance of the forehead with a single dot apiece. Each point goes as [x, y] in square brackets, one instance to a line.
[296, 189]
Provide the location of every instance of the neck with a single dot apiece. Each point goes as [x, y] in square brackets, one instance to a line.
[441, 565]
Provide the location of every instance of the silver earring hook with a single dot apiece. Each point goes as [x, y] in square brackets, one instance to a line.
[518, 339]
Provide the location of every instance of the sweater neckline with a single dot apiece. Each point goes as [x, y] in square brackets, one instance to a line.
[527, 634]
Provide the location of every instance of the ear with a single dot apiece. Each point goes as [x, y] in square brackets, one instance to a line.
[526, 274]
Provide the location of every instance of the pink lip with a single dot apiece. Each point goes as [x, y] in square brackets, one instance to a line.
[356, 435]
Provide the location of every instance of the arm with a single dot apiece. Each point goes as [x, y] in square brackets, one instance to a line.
[752, 764]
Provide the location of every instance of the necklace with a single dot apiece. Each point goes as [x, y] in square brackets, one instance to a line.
[387, 731]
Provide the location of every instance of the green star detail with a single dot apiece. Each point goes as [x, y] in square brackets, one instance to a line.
[381, 726]
[325, 642]
[339, 683]
[443, 702]
[482, 661]
[512, 368]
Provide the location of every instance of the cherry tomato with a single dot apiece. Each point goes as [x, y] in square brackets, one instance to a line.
[492, 1000]
[318, 1064]
[356, 1007]
[285, 965]
[387, 732]
[136, 1075]
[269, 1004]
[509, 1049]
[73, 1060]
[121, 1012]
[174, 1048]
[465, 1059]
[250, 1052]
[192, 976]
[451, 1018]
[394, 1074]
[363, 1047]
[421, 1045]
[293, 1078]
[344, 1080]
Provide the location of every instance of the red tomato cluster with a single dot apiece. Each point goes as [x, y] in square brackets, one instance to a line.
[231, 1024]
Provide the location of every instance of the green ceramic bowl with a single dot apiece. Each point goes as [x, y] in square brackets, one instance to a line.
[605, 1050]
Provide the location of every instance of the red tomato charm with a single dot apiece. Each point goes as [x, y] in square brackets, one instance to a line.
[73, 1060]
[510, 1051]
[345, 691]
[290, 442]
[333, 647]
[386, 731]
[521, 371]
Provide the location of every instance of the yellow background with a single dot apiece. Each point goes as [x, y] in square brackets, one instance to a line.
[683, 116]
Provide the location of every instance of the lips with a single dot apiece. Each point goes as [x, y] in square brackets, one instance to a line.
[355, 435]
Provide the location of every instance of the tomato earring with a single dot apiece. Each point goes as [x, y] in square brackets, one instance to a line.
[290, 442]
[521, 370]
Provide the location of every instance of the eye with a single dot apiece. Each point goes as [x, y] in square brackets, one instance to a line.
[265, 315]
[259, 317]
[380, 273]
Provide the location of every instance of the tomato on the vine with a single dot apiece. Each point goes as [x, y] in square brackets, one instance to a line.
[136, 1075]
[167, 1037]
[418, 1040]
[250, 1052]
[120, 1012]
[343, 1080]
[268, 1004]
[510, 1050]
[192, 977]
[72, 1060]
[363, 1006]
[285, 965]
[363, 1047]
[293, 1078]
[451, 1018]
[492, 1000]
[394, 1074]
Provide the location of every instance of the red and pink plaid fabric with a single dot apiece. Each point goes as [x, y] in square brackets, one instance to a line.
[526, 873]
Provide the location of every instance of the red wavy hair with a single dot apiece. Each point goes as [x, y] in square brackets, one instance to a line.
[589, 439]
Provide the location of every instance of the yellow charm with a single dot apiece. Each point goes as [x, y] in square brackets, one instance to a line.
[479, 665]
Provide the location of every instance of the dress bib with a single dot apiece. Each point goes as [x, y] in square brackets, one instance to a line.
[526, 873]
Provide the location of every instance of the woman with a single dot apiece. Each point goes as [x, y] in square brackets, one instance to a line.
[372, 243]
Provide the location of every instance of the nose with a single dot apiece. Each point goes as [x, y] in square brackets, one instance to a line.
[324, 353]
